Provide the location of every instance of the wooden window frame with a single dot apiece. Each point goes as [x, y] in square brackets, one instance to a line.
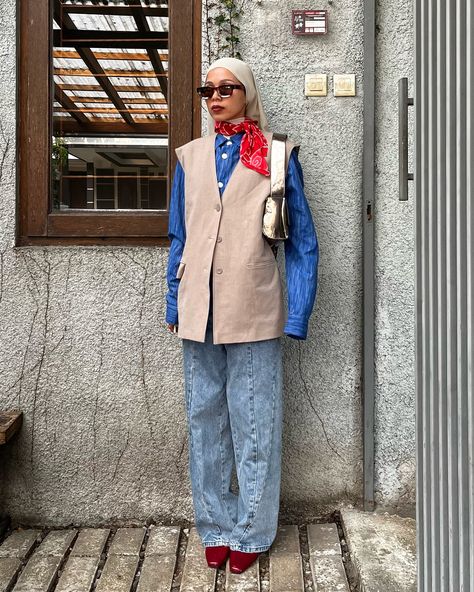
[37, 224]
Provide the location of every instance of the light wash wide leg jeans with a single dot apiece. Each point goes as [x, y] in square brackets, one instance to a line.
[234, 409]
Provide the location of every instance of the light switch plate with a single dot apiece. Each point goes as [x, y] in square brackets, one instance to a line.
[344, 85]
[316, 85]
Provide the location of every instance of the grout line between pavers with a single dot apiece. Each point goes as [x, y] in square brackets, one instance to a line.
[141, 559]
[308, 581]
[103, 558]
[352, 573]
[180, 558]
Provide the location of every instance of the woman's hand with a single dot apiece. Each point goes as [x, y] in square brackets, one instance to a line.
[172, 328]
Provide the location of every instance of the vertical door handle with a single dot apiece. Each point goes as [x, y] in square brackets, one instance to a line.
[403, 103]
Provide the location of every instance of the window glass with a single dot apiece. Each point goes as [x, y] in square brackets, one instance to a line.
[110, 105]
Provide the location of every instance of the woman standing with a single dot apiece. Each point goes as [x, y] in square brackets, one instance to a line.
[225, 301]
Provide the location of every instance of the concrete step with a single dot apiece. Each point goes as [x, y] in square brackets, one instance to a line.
[382, 549]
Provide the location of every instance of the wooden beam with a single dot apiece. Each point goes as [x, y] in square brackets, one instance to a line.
[99, 127]
[113, 10]
[107, 73]
[143, 101]
[117, 39]
[118, 88]
[109, 55]
[10, 424]
[77, 110]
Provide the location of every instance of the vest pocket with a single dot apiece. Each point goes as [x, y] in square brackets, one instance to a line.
[180, 271]
[261, 262]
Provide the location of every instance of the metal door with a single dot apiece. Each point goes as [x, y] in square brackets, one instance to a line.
[444, 294]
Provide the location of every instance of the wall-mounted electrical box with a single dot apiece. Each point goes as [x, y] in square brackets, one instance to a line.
[309, 22]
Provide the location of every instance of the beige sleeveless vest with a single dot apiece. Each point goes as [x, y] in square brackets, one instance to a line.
[225, 234]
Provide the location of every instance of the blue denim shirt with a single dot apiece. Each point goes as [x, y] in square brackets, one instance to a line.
[301, 247]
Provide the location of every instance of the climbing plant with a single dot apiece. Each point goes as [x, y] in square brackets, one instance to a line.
[222, 30]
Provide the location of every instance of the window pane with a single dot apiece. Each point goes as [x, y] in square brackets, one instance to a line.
[110, 109]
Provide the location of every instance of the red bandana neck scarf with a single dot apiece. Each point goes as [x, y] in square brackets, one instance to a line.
[254, 145]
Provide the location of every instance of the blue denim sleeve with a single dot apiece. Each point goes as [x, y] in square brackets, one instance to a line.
[177, 235]
[301, 254]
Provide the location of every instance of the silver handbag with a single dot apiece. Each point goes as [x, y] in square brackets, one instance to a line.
[275, 215]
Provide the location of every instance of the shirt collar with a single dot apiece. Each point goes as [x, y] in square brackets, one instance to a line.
[235, 139]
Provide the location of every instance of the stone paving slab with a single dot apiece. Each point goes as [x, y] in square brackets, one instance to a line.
[249, 581]
[90, 542]
[197, 576]
[119, 573]
[157, 573]
[286, 568]
[328, 573]
[286, 541]
[9, 567]
[127, 541]
[39, 574]
[383, 550]
[78, 575]
[56, 543]
[19, 543]
[323, 539]
[163, 540]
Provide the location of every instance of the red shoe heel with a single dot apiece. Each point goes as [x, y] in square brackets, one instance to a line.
[216, 556]
[240, 561]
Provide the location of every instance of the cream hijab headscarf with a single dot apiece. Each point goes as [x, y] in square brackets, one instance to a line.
[244, 74]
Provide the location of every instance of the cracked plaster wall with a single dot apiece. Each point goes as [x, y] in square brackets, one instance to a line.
[84, 353]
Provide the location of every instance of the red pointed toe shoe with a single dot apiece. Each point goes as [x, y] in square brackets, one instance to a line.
[240, 561]
[215, 556]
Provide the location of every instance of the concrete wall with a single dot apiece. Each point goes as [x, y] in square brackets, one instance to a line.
[85, 355]
[394, 267]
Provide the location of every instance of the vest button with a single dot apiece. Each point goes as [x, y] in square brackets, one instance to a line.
[218, 270]
[219, 239]
[218, 208]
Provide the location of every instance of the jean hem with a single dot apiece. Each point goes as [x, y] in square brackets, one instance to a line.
[216, 544]
[248, 549]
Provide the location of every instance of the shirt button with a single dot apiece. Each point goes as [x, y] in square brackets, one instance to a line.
[224, 156]
[219, 270]
[229, 143]
[218, 208]
[221, 184]
[219, 239]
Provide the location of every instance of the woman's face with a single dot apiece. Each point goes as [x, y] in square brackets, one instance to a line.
[231, 107]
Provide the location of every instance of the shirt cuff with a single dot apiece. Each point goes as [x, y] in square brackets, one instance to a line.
[296, 327]
[171, 315]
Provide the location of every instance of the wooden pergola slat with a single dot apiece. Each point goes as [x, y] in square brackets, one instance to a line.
[76, 110]
[109, 55]
[108, 73]
[119, 88]
[144, 101]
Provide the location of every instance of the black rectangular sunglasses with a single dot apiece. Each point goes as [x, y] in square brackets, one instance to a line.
[224, 90]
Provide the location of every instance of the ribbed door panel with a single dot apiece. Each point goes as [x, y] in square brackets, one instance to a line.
[444, 293]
